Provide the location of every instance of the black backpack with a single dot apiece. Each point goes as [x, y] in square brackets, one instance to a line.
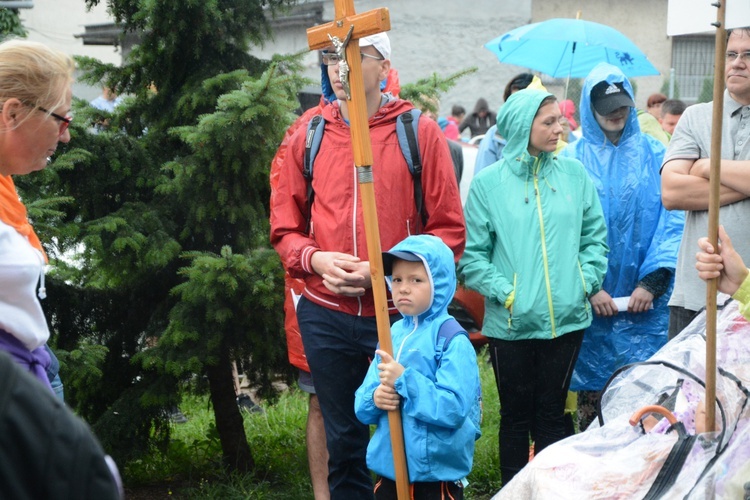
[407, 124]
[45, 450]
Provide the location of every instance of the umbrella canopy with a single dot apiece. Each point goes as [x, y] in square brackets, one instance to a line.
[570, 48]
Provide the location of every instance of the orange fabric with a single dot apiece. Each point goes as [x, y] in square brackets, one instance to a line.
[13, 213]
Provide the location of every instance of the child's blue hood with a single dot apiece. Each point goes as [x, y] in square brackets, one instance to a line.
[611, 74]
[438, 261]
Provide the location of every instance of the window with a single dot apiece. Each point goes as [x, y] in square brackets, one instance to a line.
[693, 63]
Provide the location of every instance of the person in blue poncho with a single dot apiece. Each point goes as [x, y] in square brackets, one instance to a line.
[642, 235]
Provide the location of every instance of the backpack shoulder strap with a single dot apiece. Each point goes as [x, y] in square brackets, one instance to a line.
[447, 332]
[407, 126]
[313, 138]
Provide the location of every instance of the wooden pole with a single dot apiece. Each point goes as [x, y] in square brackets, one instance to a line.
[713, 209]
[348, 24]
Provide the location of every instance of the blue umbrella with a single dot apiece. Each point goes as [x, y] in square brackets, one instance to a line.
[569, 48]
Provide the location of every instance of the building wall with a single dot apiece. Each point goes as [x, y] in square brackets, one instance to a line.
[643, 21]
[428, 36]
[447, 36]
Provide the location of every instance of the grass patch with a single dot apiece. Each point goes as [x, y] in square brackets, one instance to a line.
[191, 466]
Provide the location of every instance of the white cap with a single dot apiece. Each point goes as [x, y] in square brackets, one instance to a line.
[381, 43]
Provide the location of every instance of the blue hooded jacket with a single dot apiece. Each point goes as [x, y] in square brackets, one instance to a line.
[436, 401]
[641, 234]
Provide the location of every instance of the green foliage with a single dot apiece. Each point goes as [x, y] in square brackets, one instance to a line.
[425, 92]
[484, 479]
[10, 24]
[226, 301]
[176, 176]
[188, 466]
[82, 366]
[707, 91]
[665, 89]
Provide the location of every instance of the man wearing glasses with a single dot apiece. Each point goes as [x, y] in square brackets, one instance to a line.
[685, 173]
[323, 242]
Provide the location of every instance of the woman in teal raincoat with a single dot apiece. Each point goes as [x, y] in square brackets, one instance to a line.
[536, 249]
[643, 236]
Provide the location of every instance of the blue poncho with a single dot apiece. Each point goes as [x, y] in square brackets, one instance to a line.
[642, 236]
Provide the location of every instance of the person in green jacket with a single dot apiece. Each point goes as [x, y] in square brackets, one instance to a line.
[536, 249]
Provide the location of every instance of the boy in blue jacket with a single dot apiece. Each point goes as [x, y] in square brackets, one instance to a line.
[435, 384]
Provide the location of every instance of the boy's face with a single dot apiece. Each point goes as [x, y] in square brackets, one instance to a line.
[411, 288]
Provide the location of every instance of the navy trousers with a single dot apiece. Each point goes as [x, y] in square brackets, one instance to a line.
[339, 348]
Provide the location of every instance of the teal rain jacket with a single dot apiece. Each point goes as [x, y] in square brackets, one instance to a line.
[642, 236]
[436, 401]
[535, 235]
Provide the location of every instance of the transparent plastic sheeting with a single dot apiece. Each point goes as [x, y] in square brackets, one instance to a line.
[617, 461]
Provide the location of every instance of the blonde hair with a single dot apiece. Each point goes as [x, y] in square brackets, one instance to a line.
[34, 73]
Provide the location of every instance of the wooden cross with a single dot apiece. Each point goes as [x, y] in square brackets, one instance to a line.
[349, 27]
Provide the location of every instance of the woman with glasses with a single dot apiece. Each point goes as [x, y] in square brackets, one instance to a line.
[35, 97]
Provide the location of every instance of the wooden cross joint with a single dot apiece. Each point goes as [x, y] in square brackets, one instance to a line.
[369, 23]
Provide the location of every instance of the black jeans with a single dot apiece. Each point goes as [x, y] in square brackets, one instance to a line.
[385, 489]
[533, 377]
[679, 318]
[338, 348]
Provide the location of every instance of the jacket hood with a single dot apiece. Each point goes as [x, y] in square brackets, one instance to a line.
[481, 105]
[438, 261]
[591, 129]
[515, 118]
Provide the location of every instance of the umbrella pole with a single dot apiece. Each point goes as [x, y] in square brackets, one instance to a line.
[570, 69]
[713, 211]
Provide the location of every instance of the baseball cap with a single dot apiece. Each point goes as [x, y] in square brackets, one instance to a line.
[607, 97]
[389, 257]
[380, 41]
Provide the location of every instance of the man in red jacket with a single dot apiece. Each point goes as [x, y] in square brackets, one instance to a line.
[326, 247]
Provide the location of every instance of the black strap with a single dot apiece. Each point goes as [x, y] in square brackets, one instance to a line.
[416, 163]
[672, 465]
[312, 144]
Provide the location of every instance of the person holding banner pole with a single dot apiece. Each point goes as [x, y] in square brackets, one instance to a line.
[323, 242]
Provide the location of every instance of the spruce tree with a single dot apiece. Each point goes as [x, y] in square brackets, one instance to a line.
[157, 223]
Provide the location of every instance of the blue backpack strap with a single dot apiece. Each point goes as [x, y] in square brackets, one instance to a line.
[448, 330]
[313, 138]
[407, 126]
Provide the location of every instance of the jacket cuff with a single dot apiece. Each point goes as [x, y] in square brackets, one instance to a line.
[306, 259]
[743, 292]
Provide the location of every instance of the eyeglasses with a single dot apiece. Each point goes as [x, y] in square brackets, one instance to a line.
[332, 59]
[64, 120]
[743, 56]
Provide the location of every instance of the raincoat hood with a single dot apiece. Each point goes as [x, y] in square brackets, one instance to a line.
[481, 105]
[643, 237]
[441, 269]
[591, 129]
[514, 121]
